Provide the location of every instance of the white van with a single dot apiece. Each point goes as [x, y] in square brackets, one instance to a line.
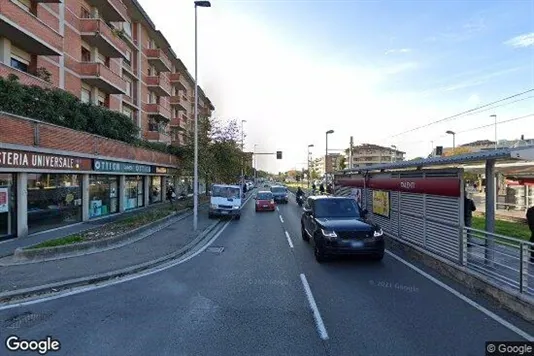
[225, 200]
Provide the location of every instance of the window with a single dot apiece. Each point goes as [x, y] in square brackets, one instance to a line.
[103, 195]
[102, 100]
[85, 14]
[127, 27]
[8, 206]
[17, 64]
[103, 59]
[128, 112]
[134, 192]
[54, 200]
[128, 85]
[86, 95]
[128, 59]
[155, 190]
[153, 125]
[86, 55]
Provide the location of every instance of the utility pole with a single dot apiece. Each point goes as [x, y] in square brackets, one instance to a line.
[350, 151]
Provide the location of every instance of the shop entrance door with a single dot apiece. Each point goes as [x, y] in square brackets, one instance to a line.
[8, 222]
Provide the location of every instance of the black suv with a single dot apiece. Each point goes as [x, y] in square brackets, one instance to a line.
[338, 226]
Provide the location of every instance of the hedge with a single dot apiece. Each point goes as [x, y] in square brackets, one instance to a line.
[61, 108]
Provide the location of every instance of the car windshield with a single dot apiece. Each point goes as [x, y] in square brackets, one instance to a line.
[225, 192]
[265, 196]
[278, 190]
[336, 208]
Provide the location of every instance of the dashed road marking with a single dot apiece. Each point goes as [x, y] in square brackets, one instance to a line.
[289, 240]
[316, 315]
[281, 218]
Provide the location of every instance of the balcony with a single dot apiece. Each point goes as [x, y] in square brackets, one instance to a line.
[49, 1]
[157, 58]
[100, 76]
[98, 34]
[178, 122]
[157, 111]
[26, 78]
[158, 137]
[114, 10]
[180, 102]
[178, 80]
[159, 84]
[28, 32]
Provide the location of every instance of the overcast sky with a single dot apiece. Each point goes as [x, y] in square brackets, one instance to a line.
[371, 69]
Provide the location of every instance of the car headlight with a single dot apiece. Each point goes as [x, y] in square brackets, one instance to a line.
[330, 235]
[378, 233]
[236, 207]
[213, 206]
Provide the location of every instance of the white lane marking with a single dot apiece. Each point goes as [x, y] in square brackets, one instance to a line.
[281, 218]
[465, 299]
[289, 240]
[124, 279]
[316, 315]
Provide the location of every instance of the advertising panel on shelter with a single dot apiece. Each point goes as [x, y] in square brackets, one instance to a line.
[381, 203]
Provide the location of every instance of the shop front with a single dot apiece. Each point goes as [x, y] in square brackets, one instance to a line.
[134, 181]
[8, 208]
[103, 195]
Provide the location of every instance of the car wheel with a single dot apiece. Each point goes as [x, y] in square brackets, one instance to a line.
[237, 217]
[319, 255]
[305, 236]
[379, 256]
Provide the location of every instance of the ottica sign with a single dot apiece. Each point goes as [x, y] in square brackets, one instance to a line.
[120, 167]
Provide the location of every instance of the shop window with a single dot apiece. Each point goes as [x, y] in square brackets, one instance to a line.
[103, 195]
[133, 192]
[54, 200]
[8, 208]
[156, 194]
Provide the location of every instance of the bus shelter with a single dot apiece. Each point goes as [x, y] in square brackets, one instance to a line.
[421, 203]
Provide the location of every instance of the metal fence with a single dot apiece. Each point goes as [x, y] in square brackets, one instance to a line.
[505, 260]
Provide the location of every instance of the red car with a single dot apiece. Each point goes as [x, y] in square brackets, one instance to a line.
[264, 201]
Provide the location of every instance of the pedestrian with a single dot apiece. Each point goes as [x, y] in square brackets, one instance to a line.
[314, 188]
[469, 208]
[530, 222]
[171, 194]
[321, 188]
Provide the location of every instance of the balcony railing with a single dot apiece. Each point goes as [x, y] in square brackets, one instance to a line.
[158, 59]
[157, 111]
[178, 80]
[100, 76]
[27, 31]
[159, 84]
[114, 10]
[98, 34]
[158, 136]
[178, 101]
[26, 78]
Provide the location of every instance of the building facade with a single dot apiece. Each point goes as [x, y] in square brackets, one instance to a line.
[107, 52]
[368, 154]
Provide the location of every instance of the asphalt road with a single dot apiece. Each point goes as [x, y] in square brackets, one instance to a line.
[249, 299]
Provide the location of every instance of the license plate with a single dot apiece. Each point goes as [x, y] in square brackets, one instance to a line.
[356, 244]
[224, 212]
[266, 206]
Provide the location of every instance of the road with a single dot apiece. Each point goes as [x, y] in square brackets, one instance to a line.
[249, 299]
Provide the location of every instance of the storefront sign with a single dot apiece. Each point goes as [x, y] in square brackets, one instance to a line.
[23, 159]
[4, 200]
[120, 167]
[160, 170]
[436, 186]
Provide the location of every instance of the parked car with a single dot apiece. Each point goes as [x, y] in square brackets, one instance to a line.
[265, 201]
[338, 226]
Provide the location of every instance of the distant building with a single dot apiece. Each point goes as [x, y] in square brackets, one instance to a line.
[482, 145]
[333, 163]
[369, 154]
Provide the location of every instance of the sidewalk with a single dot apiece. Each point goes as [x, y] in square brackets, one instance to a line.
[168, 240]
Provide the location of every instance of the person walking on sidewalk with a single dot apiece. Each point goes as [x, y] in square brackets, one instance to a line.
[171, 194]
[469, 207]
[530, 222]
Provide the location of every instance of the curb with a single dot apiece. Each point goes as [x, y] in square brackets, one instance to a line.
[33, 292]
[26, 256]
[515, 302]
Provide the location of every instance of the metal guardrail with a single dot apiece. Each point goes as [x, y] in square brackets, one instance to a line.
[502, 259]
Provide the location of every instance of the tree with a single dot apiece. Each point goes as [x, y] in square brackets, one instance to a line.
[342, 163]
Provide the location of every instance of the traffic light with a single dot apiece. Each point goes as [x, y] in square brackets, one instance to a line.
[278, 154]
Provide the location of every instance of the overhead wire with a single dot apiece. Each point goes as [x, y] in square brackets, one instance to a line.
[473, 111]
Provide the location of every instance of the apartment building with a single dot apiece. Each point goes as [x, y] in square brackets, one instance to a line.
[107, 52]
[369, 154]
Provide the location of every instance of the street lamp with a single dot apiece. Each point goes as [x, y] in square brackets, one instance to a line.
[495, 119]
[243, 152]
[309, 173]
[254, 163]
[393, 153]
[195, 170]
[326, 155]
[453, 139]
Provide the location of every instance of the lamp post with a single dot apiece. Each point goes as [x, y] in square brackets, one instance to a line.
[393, 153]
[326, 156]
[195, 170]
[495, 120]
[243, 152]
[453, 139]
[309, 173]
[254, 163]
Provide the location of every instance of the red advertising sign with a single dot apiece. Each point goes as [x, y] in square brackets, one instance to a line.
[436, 186]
